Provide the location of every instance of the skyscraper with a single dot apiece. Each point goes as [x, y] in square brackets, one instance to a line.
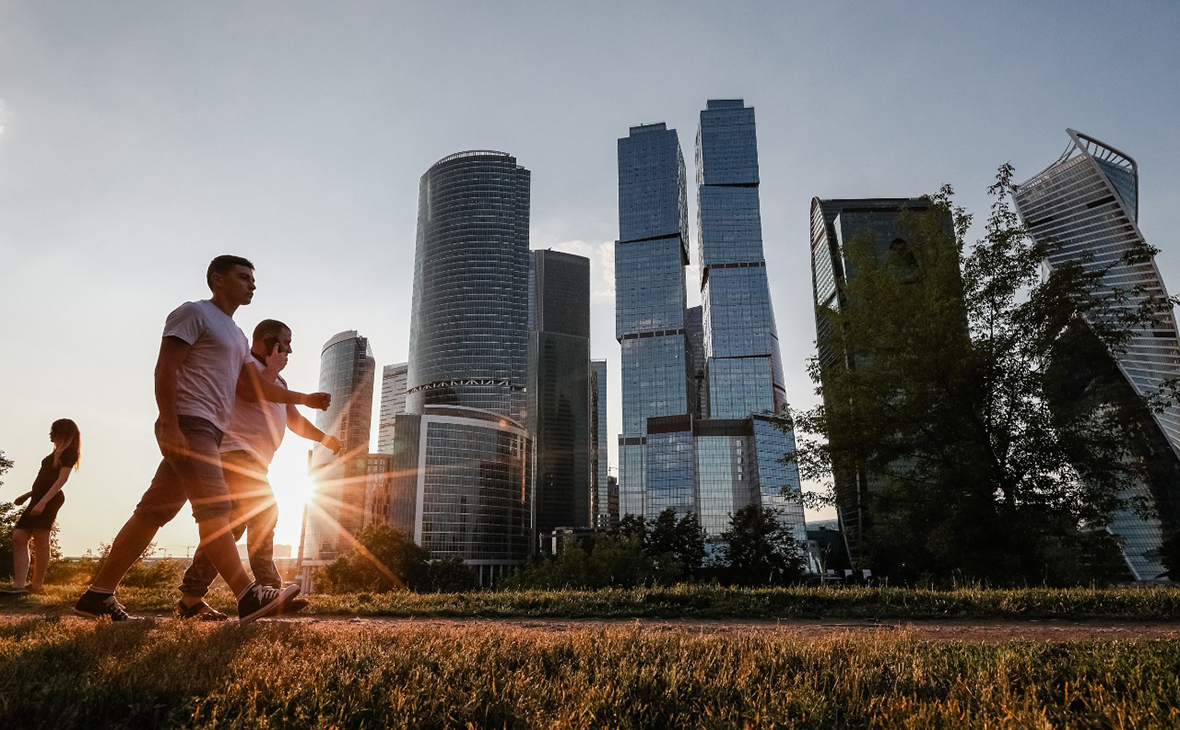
[701, 386]
[337, 509]
[468, 326]
[650, 298]
[744, 386]
[599, 465]
[1087, 202]
[559, 388]
[461, 457]
[834, 223]
[741, 341]
[393, 404]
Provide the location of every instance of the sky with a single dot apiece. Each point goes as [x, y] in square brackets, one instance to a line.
[139, 140]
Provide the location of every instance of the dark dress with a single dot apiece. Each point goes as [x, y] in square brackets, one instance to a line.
[45, 479]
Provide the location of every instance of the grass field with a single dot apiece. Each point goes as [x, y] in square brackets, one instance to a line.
[697, 601]
[297, 674]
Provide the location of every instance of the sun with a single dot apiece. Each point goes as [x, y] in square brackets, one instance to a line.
[293, 489]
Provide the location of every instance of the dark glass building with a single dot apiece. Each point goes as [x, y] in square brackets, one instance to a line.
[462, 482]
[650, 296]
[559, 416]
[461, 486]
[393, 404]
[337, 509]
[834, 223]
[740, 448]
[599, 464]
[468, 327]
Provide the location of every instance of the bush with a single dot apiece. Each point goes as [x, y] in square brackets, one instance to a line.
[384, 560]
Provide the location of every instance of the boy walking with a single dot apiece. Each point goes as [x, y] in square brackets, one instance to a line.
[204, 361]
[255, 432]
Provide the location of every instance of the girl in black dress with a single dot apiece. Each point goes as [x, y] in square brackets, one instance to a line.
[45, 499]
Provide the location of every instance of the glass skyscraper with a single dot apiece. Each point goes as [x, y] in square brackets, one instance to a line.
[701, 386]
[393, 404]
[1087, 203]
[743, 383]
[834, 223]
[559, 415]
[650, 298]
[599, 453]
[468, 326]
[461, 458]
[337, 509]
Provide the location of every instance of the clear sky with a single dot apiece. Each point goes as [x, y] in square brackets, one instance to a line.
[138, 140]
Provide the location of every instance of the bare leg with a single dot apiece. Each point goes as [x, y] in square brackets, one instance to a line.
[41, 542]
[218, 542]
[128, 545]
[20, 557]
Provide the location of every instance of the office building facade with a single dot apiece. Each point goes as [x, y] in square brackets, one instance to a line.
[701, 386]
[599, 448]
[559, 415]
[650, 300]
[468, 326]
[1086, 205]
[462, 481]
[743, 387]
[337, 509]
[393, 404]
[462, 486]
[834, 224]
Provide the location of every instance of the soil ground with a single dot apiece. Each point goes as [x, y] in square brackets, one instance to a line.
[932, 629]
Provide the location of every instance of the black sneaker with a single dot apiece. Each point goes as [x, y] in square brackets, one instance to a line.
[200, 611]
[263, 600]
[14, 591]
[97, 605]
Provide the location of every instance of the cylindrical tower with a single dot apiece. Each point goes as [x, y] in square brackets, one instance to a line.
[347, 373]
[468, 331]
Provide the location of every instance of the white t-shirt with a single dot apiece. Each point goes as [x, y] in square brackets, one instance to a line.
[257, 427]
[208, 376]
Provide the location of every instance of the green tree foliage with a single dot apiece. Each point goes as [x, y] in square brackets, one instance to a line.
[606, 561]
[943, 401]
[759, 549]
[451, 575]
[383, 560]
[386, 560]
[8, 516]
[666, 550]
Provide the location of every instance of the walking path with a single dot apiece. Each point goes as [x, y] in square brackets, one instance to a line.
[934, 629]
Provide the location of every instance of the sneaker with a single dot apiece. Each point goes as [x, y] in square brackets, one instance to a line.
[200, 611]
[97, 605]
[261, 600]
[14, 591]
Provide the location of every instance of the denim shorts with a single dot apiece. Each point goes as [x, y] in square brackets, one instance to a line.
[193, 477]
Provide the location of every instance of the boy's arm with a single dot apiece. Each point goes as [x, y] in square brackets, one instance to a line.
[252, 387]
[173, 350]
[305, 428]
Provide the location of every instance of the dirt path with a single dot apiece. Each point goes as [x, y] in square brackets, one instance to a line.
[935, 629]
[944, 630]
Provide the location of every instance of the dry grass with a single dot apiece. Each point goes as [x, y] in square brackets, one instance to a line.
[297, 674]
[701, 601]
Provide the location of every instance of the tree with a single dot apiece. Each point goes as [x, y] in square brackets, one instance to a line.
[759, 548]
[383, 560]
[946, 400]
[677, 544]
[8, 516]
[450, 574]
